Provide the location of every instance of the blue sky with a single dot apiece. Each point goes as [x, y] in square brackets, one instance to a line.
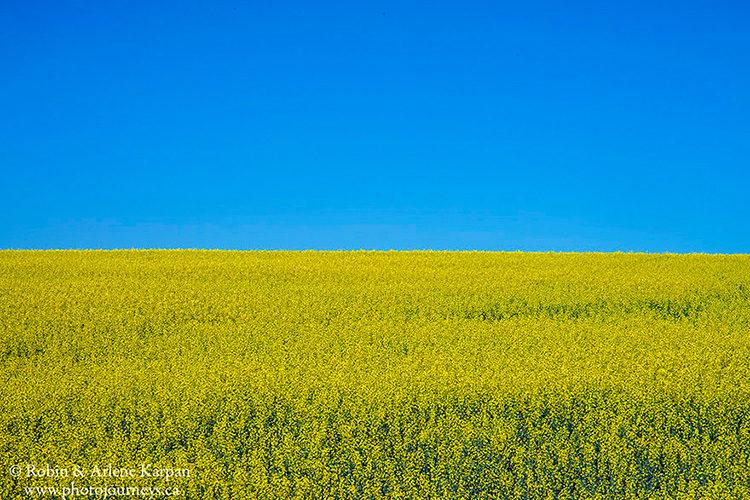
[544, 126]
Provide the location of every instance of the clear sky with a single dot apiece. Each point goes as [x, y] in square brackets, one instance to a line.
[532, 125]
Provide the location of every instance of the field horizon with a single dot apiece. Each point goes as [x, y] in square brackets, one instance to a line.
[368, 250]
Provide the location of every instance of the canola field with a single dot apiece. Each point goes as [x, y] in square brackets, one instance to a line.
[371, 375]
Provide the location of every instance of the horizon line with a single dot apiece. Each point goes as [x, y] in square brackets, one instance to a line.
[364, 250]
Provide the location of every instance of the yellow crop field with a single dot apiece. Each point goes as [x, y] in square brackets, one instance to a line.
[233, 375]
